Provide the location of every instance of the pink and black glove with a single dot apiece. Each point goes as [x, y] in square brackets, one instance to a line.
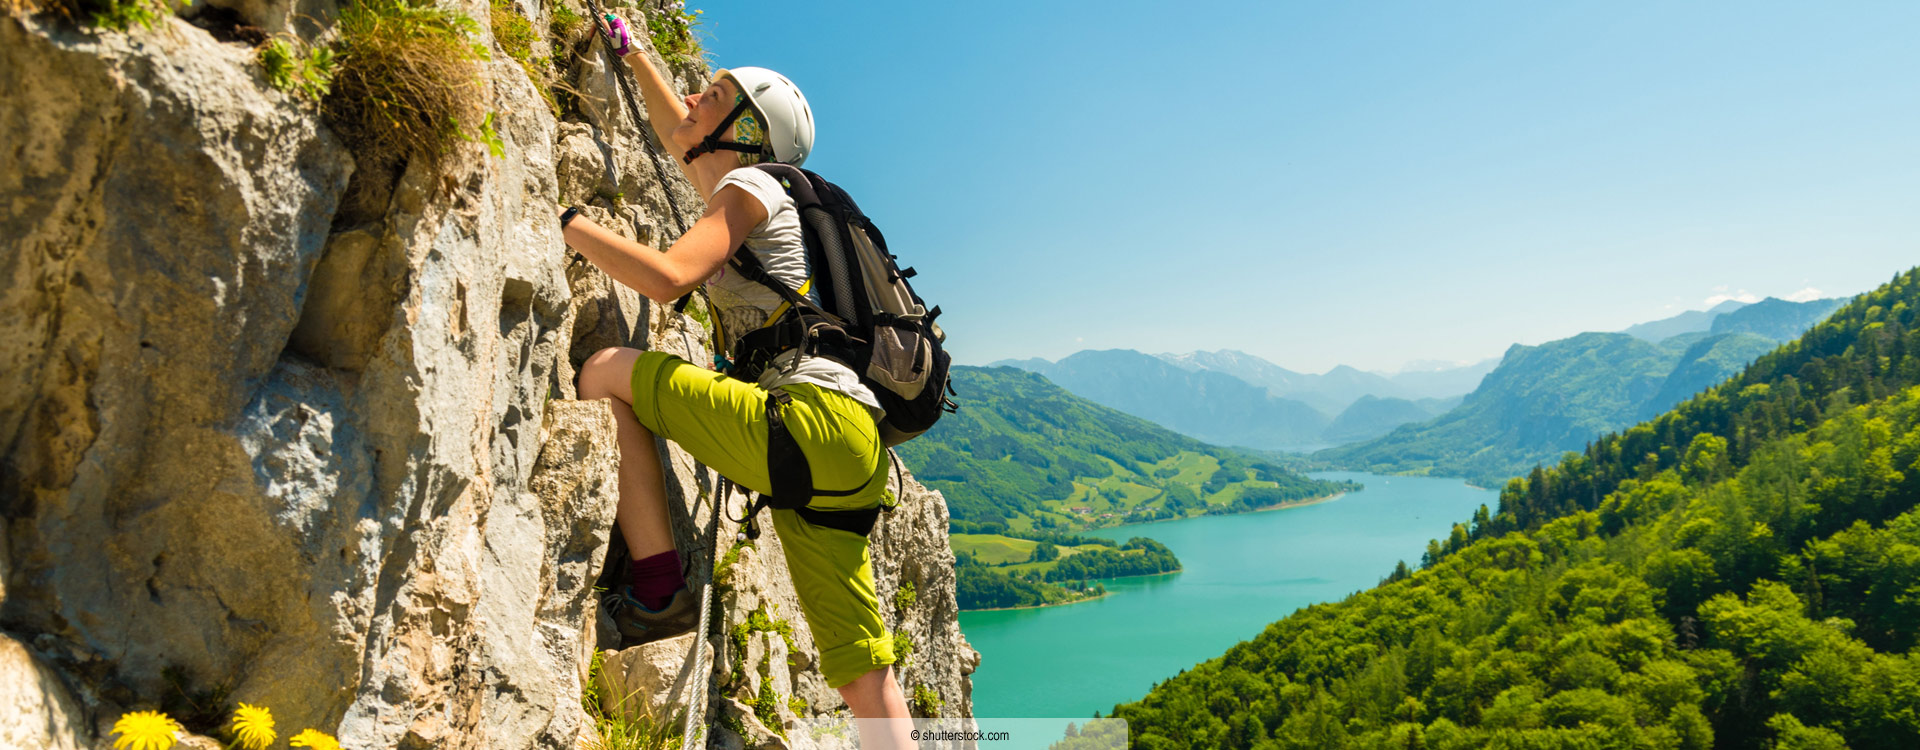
[617, 35]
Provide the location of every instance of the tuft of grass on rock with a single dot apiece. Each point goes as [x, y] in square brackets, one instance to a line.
[407, 83]
[309, 75]
[613, 729]
[519, 38]
[123, 15]
[200, 707]
[564, 24]
[512, 31]
[926, 702]
[568, 35]
[118, 15]
[670, 25]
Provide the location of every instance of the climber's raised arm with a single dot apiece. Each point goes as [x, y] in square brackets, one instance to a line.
[665, 277]
[666, 108]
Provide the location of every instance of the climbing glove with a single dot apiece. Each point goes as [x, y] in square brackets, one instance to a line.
[617, 34]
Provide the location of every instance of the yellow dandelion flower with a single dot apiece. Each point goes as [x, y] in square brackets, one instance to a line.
[314, 739]
[253, 727]
[145, 730]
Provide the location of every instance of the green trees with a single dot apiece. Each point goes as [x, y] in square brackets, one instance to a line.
[1060, 576]
[978, 586]
[1140, 556]
[1742, 572]
[1867, 350]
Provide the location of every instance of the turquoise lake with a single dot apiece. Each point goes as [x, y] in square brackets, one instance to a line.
[1239, 573]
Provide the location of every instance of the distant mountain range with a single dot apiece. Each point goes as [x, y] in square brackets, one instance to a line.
[1490, 419]
[1547, 399]
[1234, 398]
[1691, 321]
[1372, 416]
[1776, 318]
[1338, 388]
[1211, 406]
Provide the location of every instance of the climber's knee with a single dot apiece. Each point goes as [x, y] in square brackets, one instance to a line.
[874, 695]
[607, 374]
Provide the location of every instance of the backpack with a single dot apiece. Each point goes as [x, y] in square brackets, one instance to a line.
[869, 318]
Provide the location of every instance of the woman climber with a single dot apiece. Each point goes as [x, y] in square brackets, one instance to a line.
[746, 116]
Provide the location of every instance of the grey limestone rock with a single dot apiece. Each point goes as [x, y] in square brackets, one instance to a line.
[331, 464]
[37, 711]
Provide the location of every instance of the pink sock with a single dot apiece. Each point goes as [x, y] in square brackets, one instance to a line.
[656, 578]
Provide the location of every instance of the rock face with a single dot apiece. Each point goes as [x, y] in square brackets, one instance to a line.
[261, 450]
[36, 709]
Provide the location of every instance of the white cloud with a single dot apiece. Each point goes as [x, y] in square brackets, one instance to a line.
[1722, 296]
[1804, 295]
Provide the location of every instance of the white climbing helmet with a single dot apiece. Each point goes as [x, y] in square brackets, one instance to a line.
[783, 111]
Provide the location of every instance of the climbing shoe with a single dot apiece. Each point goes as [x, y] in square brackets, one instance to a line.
[640, 625]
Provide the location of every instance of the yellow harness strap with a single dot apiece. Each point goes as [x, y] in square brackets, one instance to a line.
[785, 306]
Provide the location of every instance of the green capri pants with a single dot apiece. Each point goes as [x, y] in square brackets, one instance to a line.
[722, 421]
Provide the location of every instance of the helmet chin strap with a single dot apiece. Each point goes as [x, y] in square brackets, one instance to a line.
[713, 143]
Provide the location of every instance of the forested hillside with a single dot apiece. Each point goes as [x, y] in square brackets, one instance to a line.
[1776, 318]
[1742, 572]
[1024, 454]
[1545, 400]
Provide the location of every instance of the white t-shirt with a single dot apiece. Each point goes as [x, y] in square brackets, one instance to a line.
[743, 304]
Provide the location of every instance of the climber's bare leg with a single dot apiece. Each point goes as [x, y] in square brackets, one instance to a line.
[875, 695]
[642, 513]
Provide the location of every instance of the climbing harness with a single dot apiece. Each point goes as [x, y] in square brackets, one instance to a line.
[792, 481]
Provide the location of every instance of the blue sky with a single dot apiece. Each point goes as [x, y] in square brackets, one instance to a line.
[1364, 183]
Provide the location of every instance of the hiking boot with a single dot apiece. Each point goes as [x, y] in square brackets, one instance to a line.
[639, 625]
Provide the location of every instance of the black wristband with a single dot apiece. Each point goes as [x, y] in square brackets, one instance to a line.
[567, 215]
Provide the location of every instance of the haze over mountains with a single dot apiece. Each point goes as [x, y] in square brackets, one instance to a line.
[1211, 406]
[1234, 398]
[1548, 399]
[1489, 419]
[1691, 321]
[1336, 389]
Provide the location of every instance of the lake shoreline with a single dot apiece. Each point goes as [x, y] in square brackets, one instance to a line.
[1282, 506]
[1238, 578]
[1041, 606]
[1077, 601]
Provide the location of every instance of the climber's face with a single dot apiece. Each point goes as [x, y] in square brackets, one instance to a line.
[705, 110]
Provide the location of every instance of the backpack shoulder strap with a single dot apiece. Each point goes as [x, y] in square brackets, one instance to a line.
[750, 268]
[797, 181]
